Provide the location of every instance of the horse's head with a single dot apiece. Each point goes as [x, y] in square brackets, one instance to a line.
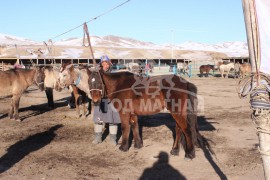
[39, 78]
[66, 75]
[219, 63]
[211, 67]
[51, 78]
[96, 86]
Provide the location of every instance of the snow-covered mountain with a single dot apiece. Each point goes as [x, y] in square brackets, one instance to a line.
[110, 41]
[235, 49]
[12, 40]
[230, 48]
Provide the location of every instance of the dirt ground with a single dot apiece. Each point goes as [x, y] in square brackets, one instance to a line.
[56, 145]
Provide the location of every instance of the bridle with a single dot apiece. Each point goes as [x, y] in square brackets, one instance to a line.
[102, 90]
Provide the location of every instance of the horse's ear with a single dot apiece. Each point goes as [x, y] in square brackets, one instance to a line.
[71, 68]
[55, 67]
[88, 70]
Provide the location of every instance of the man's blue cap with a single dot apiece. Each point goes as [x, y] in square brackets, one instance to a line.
[104, 58]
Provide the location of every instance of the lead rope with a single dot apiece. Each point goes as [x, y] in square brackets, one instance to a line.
[259, 101]
[86, 32]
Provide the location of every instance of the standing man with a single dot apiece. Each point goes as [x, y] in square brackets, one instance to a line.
[111, 116]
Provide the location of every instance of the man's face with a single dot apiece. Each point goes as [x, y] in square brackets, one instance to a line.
[105, 65]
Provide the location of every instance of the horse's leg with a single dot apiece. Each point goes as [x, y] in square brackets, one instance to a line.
[136, 136]
[181, 121]
[84, 106]
[11, 111]
[181, 118]
[176, 147]
[49, 94]
[16, 101]
[125, 126]
[76, 97]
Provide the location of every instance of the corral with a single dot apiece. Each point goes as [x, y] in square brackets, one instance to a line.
[54, 144]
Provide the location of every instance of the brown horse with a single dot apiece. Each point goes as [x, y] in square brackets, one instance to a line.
[13, 83]
[242, 69]
[78, 81]
[133, 95]
[51, 83]
[206, 69]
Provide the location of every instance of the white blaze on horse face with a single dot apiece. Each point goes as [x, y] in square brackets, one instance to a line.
[93, 79]
[62, 79]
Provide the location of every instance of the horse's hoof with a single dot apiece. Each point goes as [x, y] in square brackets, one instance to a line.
[187, 159]
[138, 145]
[83, 116]
[123, 148]
[18, 120]
[50, 108]
[190, 156]
[175, 152]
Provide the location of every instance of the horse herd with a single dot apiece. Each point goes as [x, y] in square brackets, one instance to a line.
[131, 94]
[240, 70]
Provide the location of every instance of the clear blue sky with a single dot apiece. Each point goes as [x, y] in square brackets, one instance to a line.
[205, 21]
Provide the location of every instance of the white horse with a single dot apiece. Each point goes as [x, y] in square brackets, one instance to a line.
[182, 68]
[226, 68]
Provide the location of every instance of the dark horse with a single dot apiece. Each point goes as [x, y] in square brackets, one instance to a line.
[133, 95]
[206, 69]
[13, 83]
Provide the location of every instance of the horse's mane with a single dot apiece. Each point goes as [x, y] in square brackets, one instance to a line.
[116, 74]
[49, 68]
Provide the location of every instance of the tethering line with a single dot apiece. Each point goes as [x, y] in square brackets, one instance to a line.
[106, 12]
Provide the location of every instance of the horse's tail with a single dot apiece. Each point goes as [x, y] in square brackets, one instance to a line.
[197, 138]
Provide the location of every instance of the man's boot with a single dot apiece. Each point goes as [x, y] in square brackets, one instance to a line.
[98, 133]
[113, 131]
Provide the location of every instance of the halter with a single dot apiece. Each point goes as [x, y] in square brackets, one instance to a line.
[102, 91]
[78, 80]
